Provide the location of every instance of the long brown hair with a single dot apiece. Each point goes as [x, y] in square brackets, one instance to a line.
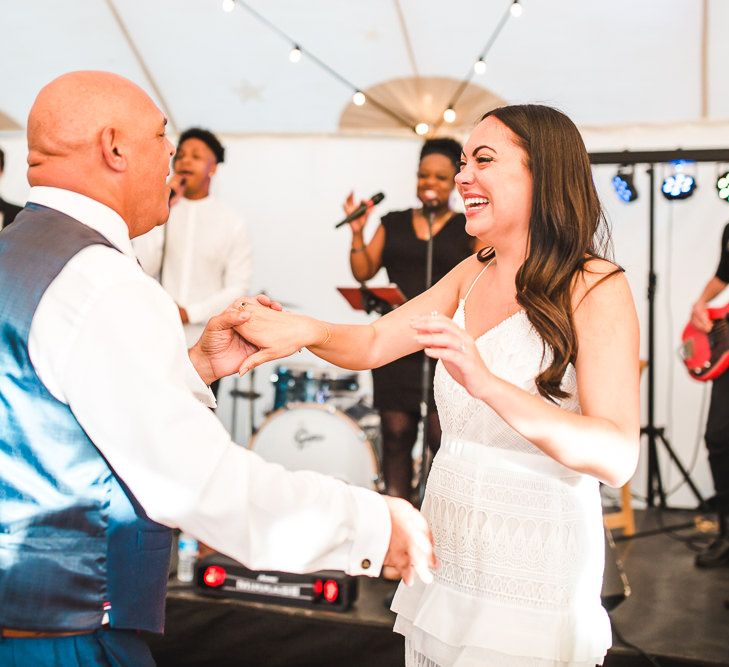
[567, 228]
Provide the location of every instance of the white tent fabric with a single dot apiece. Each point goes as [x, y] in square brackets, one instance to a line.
[601, 62]
[629, 73]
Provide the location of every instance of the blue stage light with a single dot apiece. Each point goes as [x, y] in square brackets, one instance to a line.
[624, 186]
[679, 184]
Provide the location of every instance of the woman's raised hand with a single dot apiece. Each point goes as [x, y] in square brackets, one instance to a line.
[443, 339]
[349, 205]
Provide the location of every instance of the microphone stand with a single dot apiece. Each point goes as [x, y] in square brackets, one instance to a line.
[429, 211]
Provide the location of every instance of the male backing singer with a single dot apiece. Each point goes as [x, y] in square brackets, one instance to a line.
[202, 256]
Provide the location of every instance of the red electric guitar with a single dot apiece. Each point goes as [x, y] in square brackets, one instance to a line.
[707, 355]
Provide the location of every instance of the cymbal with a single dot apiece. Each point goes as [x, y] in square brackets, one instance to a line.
[250, 395]
[284, 304]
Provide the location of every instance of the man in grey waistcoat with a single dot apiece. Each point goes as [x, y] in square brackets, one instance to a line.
[106, 440]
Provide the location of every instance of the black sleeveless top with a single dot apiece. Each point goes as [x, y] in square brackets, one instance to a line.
[404, 253]
[397, 386]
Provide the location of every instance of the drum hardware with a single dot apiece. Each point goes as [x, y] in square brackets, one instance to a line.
[249, 395]
[301, 383]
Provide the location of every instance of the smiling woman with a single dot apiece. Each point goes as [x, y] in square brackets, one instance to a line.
[537, 392]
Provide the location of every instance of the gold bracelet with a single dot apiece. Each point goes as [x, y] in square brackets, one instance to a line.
[354, 251]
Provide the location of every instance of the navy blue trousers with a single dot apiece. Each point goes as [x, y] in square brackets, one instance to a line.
[103, 648]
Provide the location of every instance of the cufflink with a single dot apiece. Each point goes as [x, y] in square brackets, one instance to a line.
[366, 562]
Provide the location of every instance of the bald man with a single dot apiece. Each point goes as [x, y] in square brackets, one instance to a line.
[105, 439]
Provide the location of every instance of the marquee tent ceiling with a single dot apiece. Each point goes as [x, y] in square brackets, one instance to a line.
[604, 63]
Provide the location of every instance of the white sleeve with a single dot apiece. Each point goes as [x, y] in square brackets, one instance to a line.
[237, 267]
[124, 377]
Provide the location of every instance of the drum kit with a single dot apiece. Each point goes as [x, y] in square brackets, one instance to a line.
[318, 422]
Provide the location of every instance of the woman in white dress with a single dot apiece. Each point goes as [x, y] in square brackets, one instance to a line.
[537, 389]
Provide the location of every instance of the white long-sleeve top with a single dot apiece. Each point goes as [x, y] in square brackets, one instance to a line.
[106, 340]
[207, 259]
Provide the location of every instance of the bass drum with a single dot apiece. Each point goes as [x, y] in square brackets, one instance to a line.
[312, 436]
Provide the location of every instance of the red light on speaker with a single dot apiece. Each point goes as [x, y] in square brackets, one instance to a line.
[318, 587]
[214, 576]
[331, 590]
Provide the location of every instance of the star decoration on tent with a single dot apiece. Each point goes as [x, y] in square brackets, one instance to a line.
[248, 92]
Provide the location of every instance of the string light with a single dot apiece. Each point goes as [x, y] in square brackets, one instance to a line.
[449, 115]
[295, 54]
[516, 9]
[479, 66]
[422, 128]
[228, 5]
[359, 98]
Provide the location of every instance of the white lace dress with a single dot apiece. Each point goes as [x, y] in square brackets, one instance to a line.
[518, 535]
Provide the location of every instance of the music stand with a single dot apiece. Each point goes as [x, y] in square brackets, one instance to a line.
[373, 299]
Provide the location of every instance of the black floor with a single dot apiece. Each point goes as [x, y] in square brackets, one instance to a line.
[676, 614]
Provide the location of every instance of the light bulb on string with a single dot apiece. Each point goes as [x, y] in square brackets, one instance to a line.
[449, 115]
[516, 9]
[295, 54]
[479, 66]
[228, 5]
[359, 98]
[422, 129]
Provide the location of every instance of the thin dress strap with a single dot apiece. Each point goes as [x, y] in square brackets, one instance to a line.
[475, 280]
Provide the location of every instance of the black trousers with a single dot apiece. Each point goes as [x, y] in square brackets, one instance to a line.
[717, 440]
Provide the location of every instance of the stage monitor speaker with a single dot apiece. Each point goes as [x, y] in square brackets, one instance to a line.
[223, 577]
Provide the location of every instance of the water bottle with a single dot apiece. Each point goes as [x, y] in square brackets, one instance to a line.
[187, 551]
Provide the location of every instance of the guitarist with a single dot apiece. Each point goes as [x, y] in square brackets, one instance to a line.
[717, 424]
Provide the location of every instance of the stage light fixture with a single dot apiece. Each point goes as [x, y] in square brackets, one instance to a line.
[449, 115]
[479, 66]
[679, 184]
[295, 54]
[359, 98]
[516, 9]
[228, 5]
[422, 128]
[722, 186]
[624, 186]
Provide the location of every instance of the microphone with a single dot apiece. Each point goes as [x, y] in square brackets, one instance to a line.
[361, 209]
[431, 200]
[174, 191]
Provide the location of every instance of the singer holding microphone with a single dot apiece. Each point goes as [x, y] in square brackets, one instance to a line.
[400, 245]
[202, 256]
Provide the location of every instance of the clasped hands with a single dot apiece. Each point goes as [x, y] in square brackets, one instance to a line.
[254, 330]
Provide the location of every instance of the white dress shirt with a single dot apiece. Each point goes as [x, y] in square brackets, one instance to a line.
[106, 339]
[207, 259]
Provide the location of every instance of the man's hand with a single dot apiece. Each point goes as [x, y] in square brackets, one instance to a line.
[221, 350]
[411, 544]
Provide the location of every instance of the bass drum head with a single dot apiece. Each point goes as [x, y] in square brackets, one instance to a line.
[309, 436]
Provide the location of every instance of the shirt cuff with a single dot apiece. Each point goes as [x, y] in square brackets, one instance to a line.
[372, 537]
[200, 390]
[198, 313]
